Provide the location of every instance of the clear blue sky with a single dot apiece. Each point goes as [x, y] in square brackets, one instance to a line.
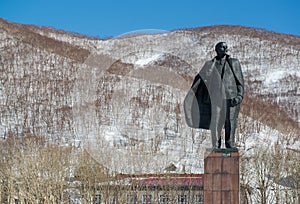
[104, 18]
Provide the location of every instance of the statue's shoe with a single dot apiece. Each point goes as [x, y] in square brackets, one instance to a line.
[230, 146]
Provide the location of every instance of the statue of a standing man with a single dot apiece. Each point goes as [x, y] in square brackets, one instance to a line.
[214, 99]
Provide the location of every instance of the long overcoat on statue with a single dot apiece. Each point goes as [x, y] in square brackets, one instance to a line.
[207, 93]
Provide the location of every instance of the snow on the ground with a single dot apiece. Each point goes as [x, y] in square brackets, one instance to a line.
[275, 76]
[147, 60]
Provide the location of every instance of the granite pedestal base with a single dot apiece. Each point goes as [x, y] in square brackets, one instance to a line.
[221, 176]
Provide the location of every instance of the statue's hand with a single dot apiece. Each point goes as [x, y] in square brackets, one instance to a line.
[236, 101]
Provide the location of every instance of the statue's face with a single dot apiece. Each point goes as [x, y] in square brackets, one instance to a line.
[221, 49]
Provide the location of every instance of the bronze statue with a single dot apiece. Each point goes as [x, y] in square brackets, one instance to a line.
[213, 102]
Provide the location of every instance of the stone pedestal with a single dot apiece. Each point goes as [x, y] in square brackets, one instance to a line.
[221, 177]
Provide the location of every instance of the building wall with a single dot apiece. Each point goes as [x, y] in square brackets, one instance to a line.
[152, 195]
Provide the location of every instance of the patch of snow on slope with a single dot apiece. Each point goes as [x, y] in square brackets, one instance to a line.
[147, 59]
[275, 76]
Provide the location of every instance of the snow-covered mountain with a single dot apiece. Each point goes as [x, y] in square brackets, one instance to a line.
[121, 98]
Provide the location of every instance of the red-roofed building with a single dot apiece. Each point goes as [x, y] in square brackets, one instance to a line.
[153, 188]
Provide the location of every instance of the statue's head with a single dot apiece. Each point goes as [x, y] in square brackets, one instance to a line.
[221, 49]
